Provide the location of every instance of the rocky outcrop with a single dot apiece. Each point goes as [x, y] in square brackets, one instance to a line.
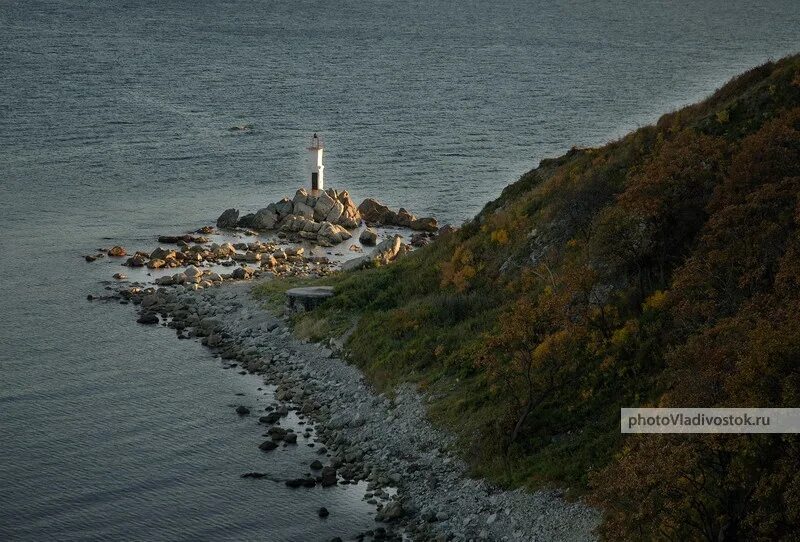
[228, 219]
[322, 218]
[368, 237]
[375, 213]
[385, 252]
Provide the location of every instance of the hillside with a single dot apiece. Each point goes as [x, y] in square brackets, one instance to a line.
[660, 269]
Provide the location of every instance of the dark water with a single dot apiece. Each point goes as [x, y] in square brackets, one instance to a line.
[114, 122]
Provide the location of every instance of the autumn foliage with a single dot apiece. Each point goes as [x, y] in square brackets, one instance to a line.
[662, 269]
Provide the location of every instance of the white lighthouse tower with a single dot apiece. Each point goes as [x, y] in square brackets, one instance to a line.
[315, 158]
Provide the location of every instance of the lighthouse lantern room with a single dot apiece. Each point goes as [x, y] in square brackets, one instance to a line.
[315, 159]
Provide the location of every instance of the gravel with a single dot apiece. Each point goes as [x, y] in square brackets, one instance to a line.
[421, 491]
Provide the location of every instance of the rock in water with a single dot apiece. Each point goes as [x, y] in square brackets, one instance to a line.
[404, 218]
[270, 418]
[323, 512]
[268, 446]
[316, 464]
[375, 212]
[424, 224]
[328, 477]
[228, 219]
[242, 410]
[368, 237]
[137, 260]
[117, 252]
[148, 318]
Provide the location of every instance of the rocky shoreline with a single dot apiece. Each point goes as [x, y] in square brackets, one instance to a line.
[419, 489]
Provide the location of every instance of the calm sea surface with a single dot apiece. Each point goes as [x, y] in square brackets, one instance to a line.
[114, 127]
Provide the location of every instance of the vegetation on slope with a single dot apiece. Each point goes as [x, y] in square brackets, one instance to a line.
[659, 270]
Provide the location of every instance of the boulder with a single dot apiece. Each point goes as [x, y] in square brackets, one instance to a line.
[375, 212]
[268, 446]
[224, 250]
[162, 254]
[349, 222]
[301, 196]
[246, 221]
[446, 229]
[428, 224]
[284, 207]
[303, 210]
[323, 206]
[311, 226]
[328, 475]
[242, 273]
[252, 257]
[265, 219]
[420, 239]
[148, 318]
[270, 418]
[332, 233]
[335, 213]
[368, 237]
[117, 252]
[350, 211]
[386, 251]
[277, 433]
[404, 218]
[228, 219]
[137, 260]
[156, 264]
[392, 511]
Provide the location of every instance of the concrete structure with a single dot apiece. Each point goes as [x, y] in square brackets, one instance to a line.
[307, 298]
[315, 159]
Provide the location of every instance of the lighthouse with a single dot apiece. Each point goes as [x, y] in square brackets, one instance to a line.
[315, 159]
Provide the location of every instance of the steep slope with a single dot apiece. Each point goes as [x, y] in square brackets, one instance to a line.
[660, 269]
